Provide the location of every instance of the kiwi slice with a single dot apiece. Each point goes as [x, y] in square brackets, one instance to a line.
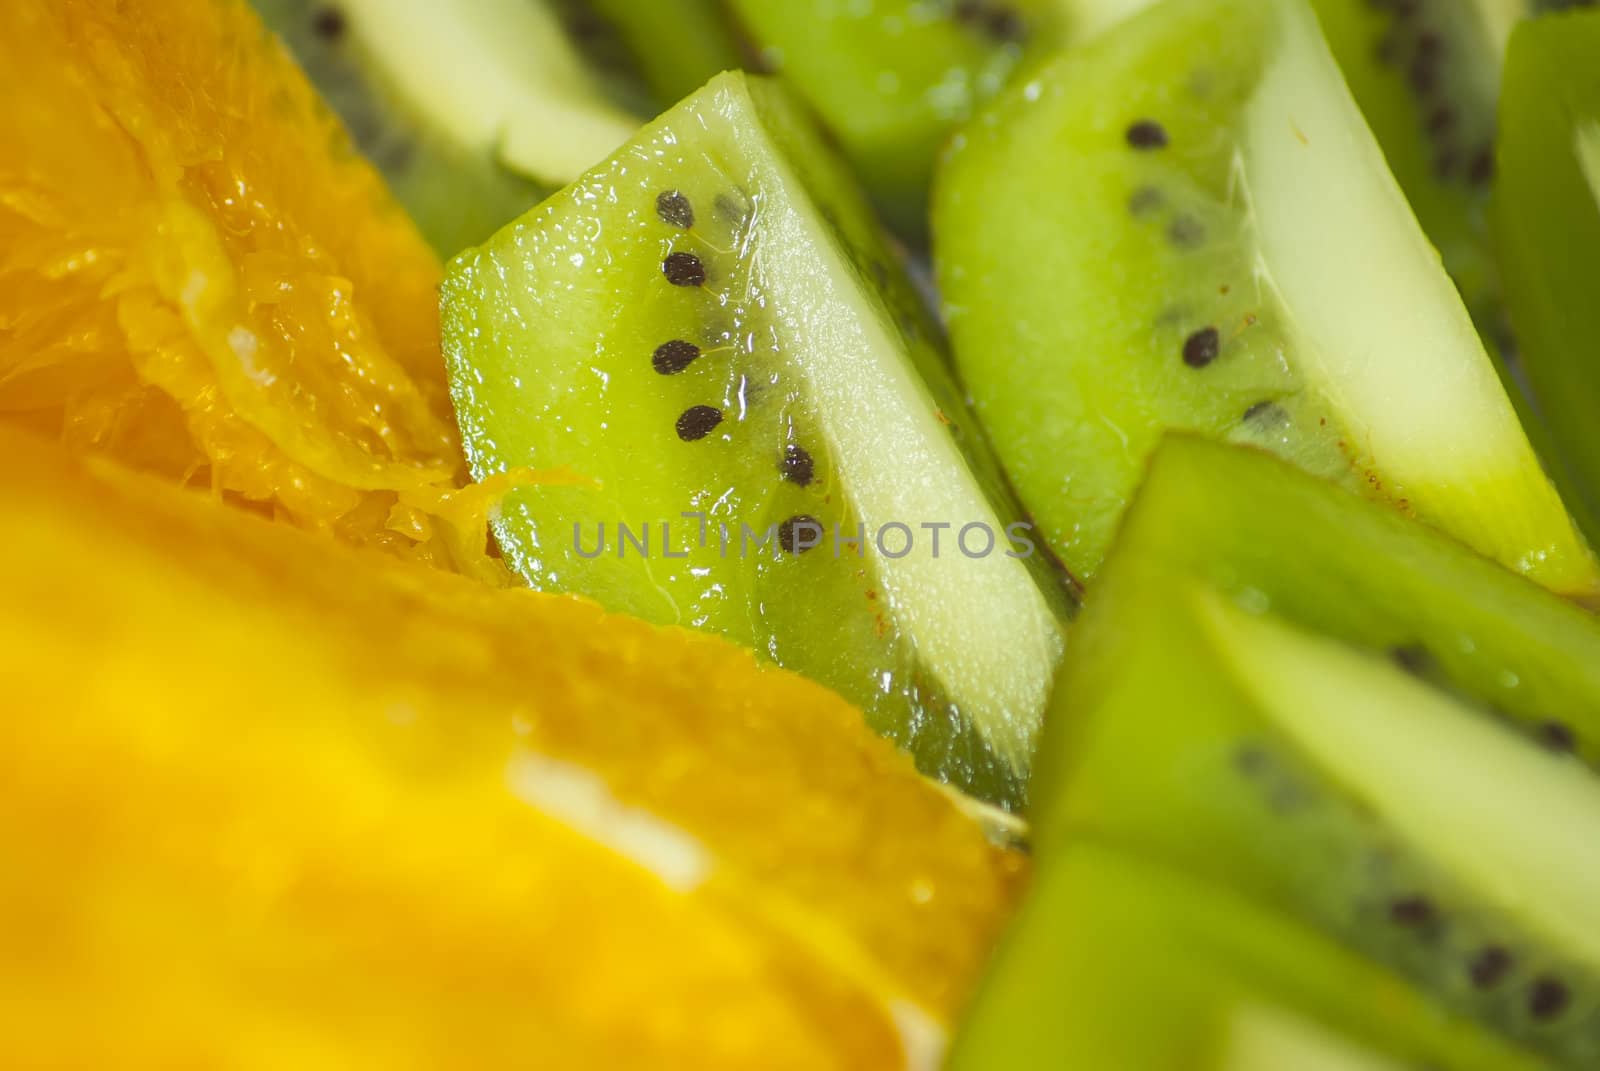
[1380, 733]
[709, 330]
[473, 110]
[1256, 530]
[1185, 224]
[1120, 964]
[1547, 217]
[890, 79]
[677, 45]
[1426, 74]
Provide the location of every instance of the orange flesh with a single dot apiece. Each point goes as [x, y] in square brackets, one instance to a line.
[199, 275]
[261, 804]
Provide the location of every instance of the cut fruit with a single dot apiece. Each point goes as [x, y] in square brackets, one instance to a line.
[346, 811]
[473, 110]
[1170, 228]
[1114, 963]
[1548, 225]
[678, 45]
[1082, 20]
[1385, 792]
[1253, 529]
[1381, 733]
[1427, 77]
[709, 328]
[202, 278]
[891, 78]
[1426, 74]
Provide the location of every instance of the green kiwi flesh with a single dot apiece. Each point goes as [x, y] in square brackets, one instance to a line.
[677, 45]
[1427, 77]
[1250, 527]
[890, 79]
[1361, 724]
[473, 110]
[709, 326]
[1122, 964]
[1185, 224]
[1547, 220]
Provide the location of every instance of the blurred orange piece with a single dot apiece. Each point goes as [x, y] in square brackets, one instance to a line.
[271, 802]
[199, 275]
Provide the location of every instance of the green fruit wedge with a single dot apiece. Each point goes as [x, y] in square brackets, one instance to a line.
[1360, 723]
[678, 45]
[1119, 964]
[891, 78]
[1185, 224]
[473, 110]
[709, 331]
[1547, 215]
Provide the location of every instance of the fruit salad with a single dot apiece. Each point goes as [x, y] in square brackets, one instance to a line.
[800, 534]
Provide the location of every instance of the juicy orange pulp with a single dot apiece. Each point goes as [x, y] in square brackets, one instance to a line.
[199, 275]
[271, 801]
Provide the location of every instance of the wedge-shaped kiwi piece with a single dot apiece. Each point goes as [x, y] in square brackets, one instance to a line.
[1351, 719]
[1250, 527]
[1426, 74]
[1119, 964]
[1547, 213]
[473, 109]
[1185, 224]
[891, 78]
[709, 329]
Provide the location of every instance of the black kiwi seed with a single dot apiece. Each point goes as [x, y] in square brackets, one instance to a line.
[1143, 201]
[698, 421]
[1388, 50]
[1266, 414]
[329, 23]
[1251, 760]
[1558, 737]
[673, 357]
[1548, 998]
[1185, 232]
[1489, 967]
[797, 465]
[1424, 75]
[731, 208]
[1412, 912]
[1202, 347]
[1005, 24]
[1411, 657]
[1147, 134]
[1481, 169]
[674, 209]
[1441, 120]
[789, 533]
[684, 269]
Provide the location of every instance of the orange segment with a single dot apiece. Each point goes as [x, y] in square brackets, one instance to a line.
[268, 801]
[199, 274]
